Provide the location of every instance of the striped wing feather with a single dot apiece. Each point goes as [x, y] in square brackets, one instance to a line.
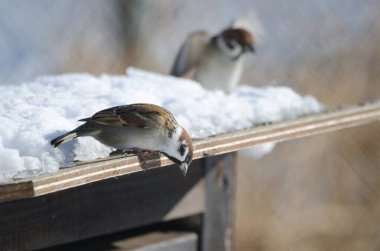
[139, 115]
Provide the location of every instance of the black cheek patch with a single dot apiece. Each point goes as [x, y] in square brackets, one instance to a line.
[230, 45]
[182, 150]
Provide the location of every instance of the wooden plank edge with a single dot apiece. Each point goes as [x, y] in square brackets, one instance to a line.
[17, 190]
[288, 130]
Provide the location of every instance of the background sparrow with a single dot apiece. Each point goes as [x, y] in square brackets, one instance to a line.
[217, 60]
[137, 128]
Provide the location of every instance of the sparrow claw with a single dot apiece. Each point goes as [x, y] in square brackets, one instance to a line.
[140, 154]
[142, 158]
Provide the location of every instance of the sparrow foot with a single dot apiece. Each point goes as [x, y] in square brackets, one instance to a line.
[140, 154]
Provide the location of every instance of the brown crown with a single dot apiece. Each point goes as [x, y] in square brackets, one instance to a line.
[185, 137]
[243, 37]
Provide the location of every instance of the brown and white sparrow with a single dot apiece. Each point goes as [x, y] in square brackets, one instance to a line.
[217, 60]
[137, 128]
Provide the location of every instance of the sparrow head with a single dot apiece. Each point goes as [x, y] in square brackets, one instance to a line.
[235, 41]
[181, 151]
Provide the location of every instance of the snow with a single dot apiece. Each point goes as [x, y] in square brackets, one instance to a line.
[34, 113]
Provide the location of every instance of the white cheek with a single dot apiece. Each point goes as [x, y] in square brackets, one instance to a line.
[236, 51]
[186, 153]
[233, 53]
[172, 145]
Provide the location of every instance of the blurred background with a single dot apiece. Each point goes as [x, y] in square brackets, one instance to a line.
[318, 193]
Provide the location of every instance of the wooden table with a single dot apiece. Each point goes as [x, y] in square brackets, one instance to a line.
[114, 194]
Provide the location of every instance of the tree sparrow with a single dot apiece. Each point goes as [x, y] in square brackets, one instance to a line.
[218, 60]
[137, 128]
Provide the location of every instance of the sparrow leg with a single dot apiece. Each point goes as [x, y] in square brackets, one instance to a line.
[139, 153]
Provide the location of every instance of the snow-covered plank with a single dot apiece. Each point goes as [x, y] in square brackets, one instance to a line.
[84, 173]
[33, 113]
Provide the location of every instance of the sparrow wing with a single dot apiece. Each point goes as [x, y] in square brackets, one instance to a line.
[189, 53]
[138, 115]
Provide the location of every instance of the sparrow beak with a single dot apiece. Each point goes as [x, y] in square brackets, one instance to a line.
[183, 168]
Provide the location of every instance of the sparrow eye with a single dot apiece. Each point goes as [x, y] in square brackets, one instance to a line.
[182, 149]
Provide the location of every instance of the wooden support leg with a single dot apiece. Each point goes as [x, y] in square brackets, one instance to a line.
[218, 222]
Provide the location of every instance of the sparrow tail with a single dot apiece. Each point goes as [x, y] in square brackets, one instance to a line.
[64, 138]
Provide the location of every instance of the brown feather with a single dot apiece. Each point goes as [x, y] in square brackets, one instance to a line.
[139, 115]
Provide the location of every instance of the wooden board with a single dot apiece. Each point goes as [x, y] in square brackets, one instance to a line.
[114, 167]
[103, 207]
[159, 241]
